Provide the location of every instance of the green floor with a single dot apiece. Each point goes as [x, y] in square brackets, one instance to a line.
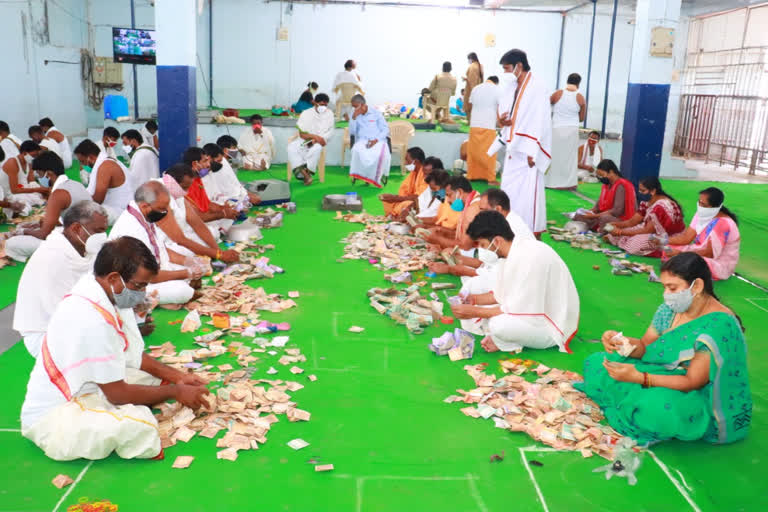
[377, 410]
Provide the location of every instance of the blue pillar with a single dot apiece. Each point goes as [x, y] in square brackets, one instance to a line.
[645, 113]
[176, 25]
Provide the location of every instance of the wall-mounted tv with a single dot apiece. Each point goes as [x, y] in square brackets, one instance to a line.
[134, 45]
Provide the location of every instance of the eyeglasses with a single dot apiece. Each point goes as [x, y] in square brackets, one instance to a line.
[139, 287]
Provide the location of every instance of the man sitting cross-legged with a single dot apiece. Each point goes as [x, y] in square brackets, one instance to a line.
[79, 401]
[534, 302]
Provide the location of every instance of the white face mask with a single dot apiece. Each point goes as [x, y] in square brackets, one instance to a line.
[321, 109]
[487, 255]
[410, 167]
[127, 149]
[705, 216]
[681, 301]
[28, 159]
[94, 242]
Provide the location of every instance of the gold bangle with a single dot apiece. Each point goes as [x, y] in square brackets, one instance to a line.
[218, 254]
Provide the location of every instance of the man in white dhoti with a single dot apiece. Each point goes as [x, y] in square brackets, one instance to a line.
[108, 141]
[64, 194]
[9, 143]
[145, 160]
[184, 231]
[46, 143]
[590, 154]
[222, 185]
[527, 134]
[150, 134]
[370, 151]
[55, 267]
[257, 145]
[109, 184]
[568, 109]
[150, 205]
[315, 127]
[534, 303]
[18, 181]
[79, 403]
[65, 150]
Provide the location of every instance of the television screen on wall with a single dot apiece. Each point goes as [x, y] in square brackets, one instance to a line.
[134, 45]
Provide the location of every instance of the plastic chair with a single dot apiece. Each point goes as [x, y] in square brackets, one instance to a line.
[400, 133]
[320, 162]
[115, 106]
[347, 90]
[345, 144]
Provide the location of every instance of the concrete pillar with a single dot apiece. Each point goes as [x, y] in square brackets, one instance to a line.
[176, 25]
[645, 113]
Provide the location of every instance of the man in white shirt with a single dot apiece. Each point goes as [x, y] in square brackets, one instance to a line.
[145, 161]
[315, 127]
[484, 101]
[79, 403]
[348, 76]
[108, 141]
[221, 183]
[36, 134]
[55, 267]
[150, 134]
[8, 142]
[65, 150]
[257, 145]
[150, 205]
[433, 196]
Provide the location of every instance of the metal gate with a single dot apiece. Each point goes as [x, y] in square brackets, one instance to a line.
[694, 124]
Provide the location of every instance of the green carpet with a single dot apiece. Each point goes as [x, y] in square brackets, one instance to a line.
[377, 410]
[744, 199]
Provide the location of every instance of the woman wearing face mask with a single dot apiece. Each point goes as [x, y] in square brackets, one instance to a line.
[617, 198]
[65, 193]
[517, 314]
[659, 215]
[686, 378]
[713, 235]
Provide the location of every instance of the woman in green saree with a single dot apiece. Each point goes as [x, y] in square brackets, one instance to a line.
[686, 378]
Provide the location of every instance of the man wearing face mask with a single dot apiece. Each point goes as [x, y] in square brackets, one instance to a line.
[411, 187]
[315, 127]
[466, 203]
[150, 205]
[109, 184]
[526, 131]
[145, 160]
[515, 315]
[55, 267]
[222, 185]
[47, 143]
[64, 194]
[370, 153]
[80, 401]
[18, 181]
[218, 216]
[183, 231]
[108, 141]
[257, 145]
[228, 145]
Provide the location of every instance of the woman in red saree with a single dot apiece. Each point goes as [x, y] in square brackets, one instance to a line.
[658, 215]
[617, 198]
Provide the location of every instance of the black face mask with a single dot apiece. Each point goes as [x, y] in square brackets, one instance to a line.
[155, 216]
[216, 166]
[604, 181]
[644, 197]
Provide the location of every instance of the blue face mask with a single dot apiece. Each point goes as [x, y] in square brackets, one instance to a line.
[644, 197]
[439, 194]
[204, 172]
[457, 205]
[45, 181]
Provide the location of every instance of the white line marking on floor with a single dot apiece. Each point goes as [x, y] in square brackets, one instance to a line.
[335, 323]
[10, 430]
[475, 493]
[530, 473]
[74, 484]
[359, 490]
[314, 354]
[386, 357]
[752, 301]
[674, 481]
[682, 478]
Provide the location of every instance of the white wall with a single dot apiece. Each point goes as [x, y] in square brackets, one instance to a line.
[30, 88]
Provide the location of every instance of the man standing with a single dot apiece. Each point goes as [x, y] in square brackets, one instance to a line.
[145, 161]
[78, 403]
[568, 110]
[55, 267]
[9, 143]
[370, 153]
[65, 151]
[411, 187]
[109, 184]
[108, 141]
[441, 89]
[473, 79]
[150, 134]
[484, 103]
[257, 145]
[315, 127]
[348, 76]
[524, 114]
[150, 205]
[38, 137]
[64, 194]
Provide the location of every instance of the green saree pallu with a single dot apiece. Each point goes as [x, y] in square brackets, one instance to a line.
[719, 412]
